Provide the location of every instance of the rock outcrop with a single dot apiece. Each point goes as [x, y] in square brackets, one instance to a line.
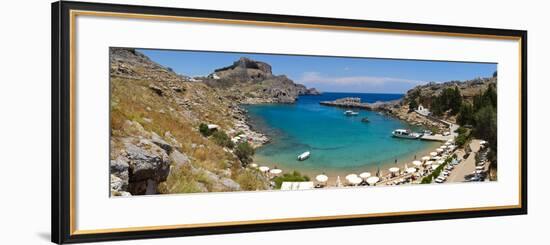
[252, 82]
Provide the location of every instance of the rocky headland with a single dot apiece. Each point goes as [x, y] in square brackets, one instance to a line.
[248, 81]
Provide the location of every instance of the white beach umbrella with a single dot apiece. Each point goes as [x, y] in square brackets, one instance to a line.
[411, 170]
[440, 161]
[448, 143]
[451, 140]
[439, 150]
[321, 178]
[364, 175]
[372, 180]
[264, 168]
[355, 181]
[436, 157]
[394, 170]
[443, 147]
[253, 165]
[433, 153]
[425, 158]
[417, 163]
[275, 171]
[429, 162]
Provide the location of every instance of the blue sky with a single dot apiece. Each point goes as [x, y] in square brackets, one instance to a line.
[331, 74]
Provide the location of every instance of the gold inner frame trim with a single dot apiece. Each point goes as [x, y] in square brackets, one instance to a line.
[72, 47]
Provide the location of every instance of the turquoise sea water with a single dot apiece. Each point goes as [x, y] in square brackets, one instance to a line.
[337, 143]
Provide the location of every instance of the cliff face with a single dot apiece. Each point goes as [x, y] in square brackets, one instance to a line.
[155, 143]
[251, 82]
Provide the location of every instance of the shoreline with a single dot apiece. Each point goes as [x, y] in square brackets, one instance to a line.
[333, 173]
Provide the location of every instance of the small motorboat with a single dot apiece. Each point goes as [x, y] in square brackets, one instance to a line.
[304, 156]
[351, 113]
[365, 120]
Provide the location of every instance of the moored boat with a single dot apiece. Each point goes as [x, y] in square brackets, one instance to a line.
[405, 133]
[351, 113]
[304, 156]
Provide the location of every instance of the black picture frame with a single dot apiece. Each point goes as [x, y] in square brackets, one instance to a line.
[61, 125]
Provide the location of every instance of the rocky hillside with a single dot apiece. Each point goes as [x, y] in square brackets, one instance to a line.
[156, 146]
[424, 94]
[252, 82]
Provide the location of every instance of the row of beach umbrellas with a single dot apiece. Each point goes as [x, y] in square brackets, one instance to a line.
[355, 179]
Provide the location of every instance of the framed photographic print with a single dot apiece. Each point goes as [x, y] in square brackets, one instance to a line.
[175, 122]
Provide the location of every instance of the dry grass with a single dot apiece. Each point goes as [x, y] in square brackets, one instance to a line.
[133, 100]
[251, 180]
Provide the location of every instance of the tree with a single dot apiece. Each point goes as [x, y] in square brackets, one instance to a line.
[490, 96]
[244, 152]
[466, 114]
[486, 125]
[455, 101]
[449, 99]
[412, 105]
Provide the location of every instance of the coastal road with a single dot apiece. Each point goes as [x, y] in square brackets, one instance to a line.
[467, 166]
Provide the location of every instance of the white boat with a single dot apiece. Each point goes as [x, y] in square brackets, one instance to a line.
[405, 133]
[351, 113]
[304, 156]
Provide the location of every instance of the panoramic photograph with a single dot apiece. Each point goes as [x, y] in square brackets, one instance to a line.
[202, 121]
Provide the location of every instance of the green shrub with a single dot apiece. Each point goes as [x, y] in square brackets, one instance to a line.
[295, 176]
[428, 179]
[205, 131]
[461, 130]
[221, 139]
[462, 139]
[244, 152]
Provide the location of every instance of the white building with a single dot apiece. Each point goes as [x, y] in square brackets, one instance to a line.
[214, 76]
[423, 111]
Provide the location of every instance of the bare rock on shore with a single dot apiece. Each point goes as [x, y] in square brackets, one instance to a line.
[347, 102]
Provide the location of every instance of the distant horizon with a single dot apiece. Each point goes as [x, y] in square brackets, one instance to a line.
[331, 74]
